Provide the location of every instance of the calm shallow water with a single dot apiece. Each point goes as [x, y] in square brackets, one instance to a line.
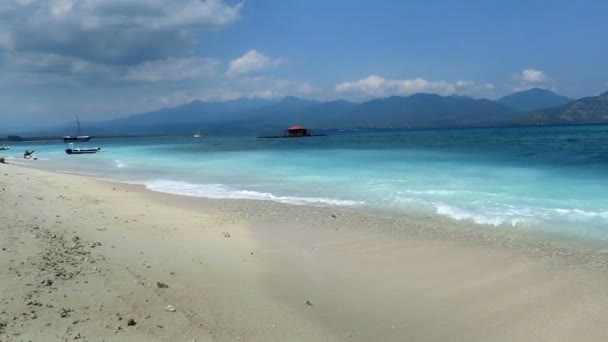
[552, 178]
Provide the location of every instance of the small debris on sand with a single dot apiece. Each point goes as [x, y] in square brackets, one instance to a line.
[161, 285]
[308, 303]
[170, 308]
[226, 234]
[65, 312]
[131, 322]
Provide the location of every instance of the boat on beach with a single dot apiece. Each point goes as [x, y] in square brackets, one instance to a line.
[79, 137]
[294, 132]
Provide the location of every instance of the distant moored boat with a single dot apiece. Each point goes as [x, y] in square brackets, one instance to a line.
[79, 137]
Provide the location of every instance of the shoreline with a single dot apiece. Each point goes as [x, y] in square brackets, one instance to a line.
[538, 230]
[263, 271]
[555, 247]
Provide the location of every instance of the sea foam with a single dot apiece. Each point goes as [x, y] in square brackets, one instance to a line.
[220, 191]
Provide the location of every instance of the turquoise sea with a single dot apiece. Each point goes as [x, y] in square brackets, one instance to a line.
[551, 179]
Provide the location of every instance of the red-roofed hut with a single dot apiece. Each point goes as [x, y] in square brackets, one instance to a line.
[297, 131]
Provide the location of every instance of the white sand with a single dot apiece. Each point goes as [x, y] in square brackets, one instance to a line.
[364, 282]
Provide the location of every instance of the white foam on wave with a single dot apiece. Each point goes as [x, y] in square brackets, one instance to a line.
[119, 164]
[514, 216]
[435, 192]
[582, 214]
[220, 191]
[492, 219]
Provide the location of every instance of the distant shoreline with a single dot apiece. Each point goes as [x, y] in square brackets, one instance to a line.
[57, 138]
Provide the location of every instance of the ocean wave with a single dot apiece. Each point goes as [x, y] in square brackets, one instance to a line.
[491, 219]
[119, 164]
[436, 192]
[514, 216]
[582, 213]
[220, 191]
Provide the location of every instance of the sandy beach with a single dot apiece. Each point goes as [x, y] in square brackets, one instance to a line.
[91, 260]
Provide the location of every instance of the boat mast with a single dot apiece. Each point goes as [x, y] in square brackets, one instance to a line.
[78, 123]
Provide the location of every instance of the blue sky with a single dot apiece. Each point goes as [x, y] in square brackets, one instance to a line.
[107, 58]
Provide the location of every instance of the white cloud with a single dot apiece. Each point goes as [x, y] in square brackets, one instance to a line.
[173, 69]
[371, 85]
[112, 31]
[375, 85]
[248, 87]
[464, 84]
[39, 69]
[6, 41]
[533, 76]
[94, 42]
[250, 62]
[120, 36]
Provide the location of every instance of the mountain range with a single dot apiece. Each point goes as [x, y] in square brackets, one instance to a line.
[588, 110]
[533, 99]
[530, 107]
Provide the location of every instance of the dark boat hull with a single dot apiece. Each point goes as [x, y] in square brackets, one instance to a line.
[82, 150]
[68, 139]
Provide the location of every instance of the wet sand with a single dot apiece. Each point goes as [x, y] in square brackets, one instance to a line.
[93, 260]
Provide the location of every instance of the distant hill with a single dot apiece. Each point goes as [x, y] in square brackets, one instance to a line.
[584, 111]
[426, 110]
[419, 110]
[533, 99]
[191, 117]
[290, 111]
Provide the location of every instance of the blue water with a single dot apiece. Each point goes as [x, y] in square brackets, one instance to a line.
[547, 179]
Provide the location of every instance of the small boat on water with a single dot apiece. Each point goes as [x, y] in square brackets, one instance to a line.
[4, 147]
[197, 134]
[79, 137]
[294, 132]
[77, 150]
[82, 138]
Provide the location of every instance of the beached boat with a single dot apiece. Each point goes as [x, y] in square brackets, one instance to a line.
[294, 132]
[79, 137]
[77, 150]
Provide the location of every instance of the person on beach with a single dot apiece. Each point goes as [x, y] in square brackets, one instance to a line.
[3, 161]
[27, 154]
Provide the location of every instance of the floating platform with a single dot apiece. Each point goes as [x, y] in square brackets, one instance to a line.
[291, 136]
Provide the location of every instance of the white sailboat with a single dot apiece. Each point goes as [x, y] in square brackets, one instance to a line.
[79, 137]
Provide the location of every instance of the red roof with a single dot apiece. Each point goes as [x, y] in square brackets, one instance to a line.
[296, 127]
